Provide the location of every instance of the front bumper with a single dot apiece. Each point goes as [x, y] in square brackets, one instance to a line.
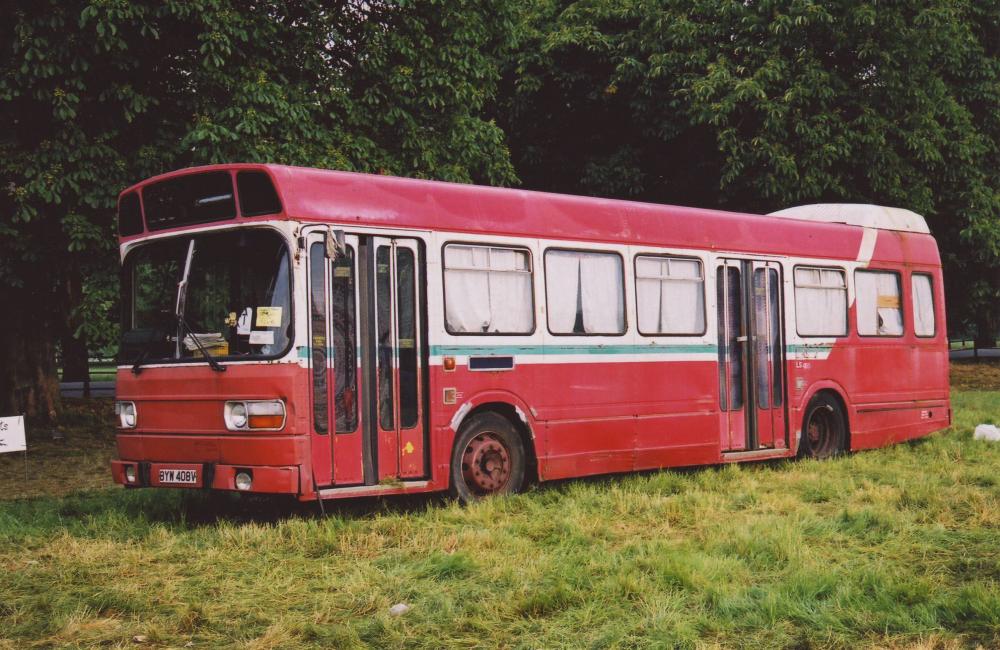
[265, 479]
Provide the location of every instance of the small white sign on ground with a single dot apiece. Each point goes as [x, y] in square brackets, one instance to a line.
[12, 434]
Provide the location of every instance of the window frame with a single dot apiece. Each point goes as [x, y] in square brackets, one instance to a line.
[621, 260]
[930, 278]
[478, 244]
[237, 173]
[847, 301]
[158, 226]
[127, 318]
[704, 296]
[902, 306]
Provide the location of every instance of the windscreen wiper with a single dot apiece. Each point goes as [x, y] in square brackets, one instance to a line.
[212, 361]
[182, 325]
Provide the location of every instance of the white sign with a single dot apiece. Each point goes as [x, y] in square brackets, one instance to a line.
[12, 434]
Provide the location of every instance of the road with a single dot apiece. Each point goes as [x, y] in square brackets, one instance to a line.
[97, 389]
[984, 353]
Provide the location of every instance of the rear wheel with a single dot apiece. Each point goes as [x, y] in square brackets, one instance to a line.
[824, 428]
[488, 458]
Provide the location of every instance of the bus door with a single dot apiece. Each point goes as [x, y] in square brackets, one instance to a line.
[392, 358]
[751, 359]
[367, 360]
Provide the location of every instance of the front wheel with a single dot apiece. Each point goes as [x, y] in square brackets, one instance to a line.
[488, 458]
[824, 428]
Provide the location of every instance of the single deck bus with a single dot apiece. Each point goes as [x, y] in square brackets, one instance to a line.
[326, 334]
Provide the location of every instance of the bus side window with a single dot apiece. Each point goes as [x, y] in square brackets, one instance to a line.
[487, 290]
[879, 304]
[585, 292]
[669, 296]
[924, 324]
[820, 302]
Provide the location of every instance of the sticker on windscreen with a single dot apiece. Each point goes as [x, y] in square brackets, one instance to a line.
[269, 317]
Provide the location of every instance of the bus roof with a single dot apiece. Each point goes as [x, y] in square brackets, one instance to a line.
[832, 231]
[858, 214]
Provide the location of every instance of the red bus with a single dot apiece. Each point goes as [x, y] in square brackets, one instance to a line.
[327, 334]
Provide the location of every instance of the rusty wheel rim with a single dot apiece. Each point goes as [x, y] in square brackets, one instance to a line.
[820, 431]
[486, 463]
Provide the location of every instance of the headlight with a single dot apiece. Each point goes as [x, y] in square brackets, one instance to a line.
[126, 414]
[238, 415]
[261, 415]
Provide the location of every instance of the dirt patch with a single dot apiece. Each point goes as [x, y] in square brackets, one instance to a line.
[975, 375]
[73, 456]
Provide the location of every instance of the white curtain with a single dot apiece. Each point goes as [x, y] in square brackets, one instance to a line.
[603, 293]
[466, 289]
[878, 304]
[670, 296]
[487, 290]
[820, 302]
[562, 288]
[588, 284]
[511, 307]
[923, 305]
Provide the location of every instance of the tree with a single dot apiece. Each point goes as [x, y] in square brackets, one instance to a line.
[760, 105]
[103, 93]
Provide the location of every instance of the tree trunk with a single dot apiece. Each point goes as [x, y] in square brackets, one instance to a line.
[29, 383]
[986, 316]
[75, 356]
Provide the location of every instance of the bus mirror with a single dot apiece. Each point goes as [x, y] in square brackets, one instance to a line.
[335, 245]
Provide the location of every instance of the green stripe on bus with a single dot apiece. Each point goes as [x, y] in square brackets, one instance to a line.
[465, 350]
[305, 352]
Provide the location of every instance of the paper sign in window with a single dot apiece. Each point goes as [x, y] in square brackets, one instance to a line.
[245, 321]
[269, 317]
[261, 337]
[888, 302]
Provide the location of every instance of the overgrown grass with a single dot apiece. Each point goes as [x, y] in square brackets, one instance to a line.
[898, 547]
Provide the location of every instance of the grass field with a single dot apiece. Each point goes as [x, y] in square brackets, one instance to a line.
[898, 547]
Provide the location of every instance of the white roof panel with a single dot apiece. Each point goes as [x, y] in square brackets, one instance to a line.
[858, 214]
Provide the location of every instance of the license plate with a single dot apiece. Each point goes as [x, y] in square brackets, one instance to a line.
[180, 476]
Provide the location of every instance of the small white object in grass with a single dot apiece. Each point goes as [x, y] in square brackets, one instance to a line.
[399, 609]
[987, 432]
[140, 638]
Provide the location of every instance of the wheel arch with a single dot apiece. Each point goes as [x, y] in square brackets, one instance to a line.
[514, 410]
[837, 391]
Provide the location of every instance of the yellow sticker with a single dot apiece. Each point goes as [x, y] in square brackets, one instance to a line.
[888, 302]
[408, 449]
[269, 317]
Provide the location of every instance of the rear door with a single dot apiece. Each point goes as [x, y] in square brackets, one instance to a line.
[751, 354]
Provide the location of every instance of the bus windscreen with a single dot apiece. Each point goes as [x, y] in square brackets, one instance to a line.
[238, 300]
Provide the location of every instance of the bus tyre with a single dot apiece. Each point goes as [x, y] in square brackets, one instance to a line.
[824, 428]
[488, 458]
